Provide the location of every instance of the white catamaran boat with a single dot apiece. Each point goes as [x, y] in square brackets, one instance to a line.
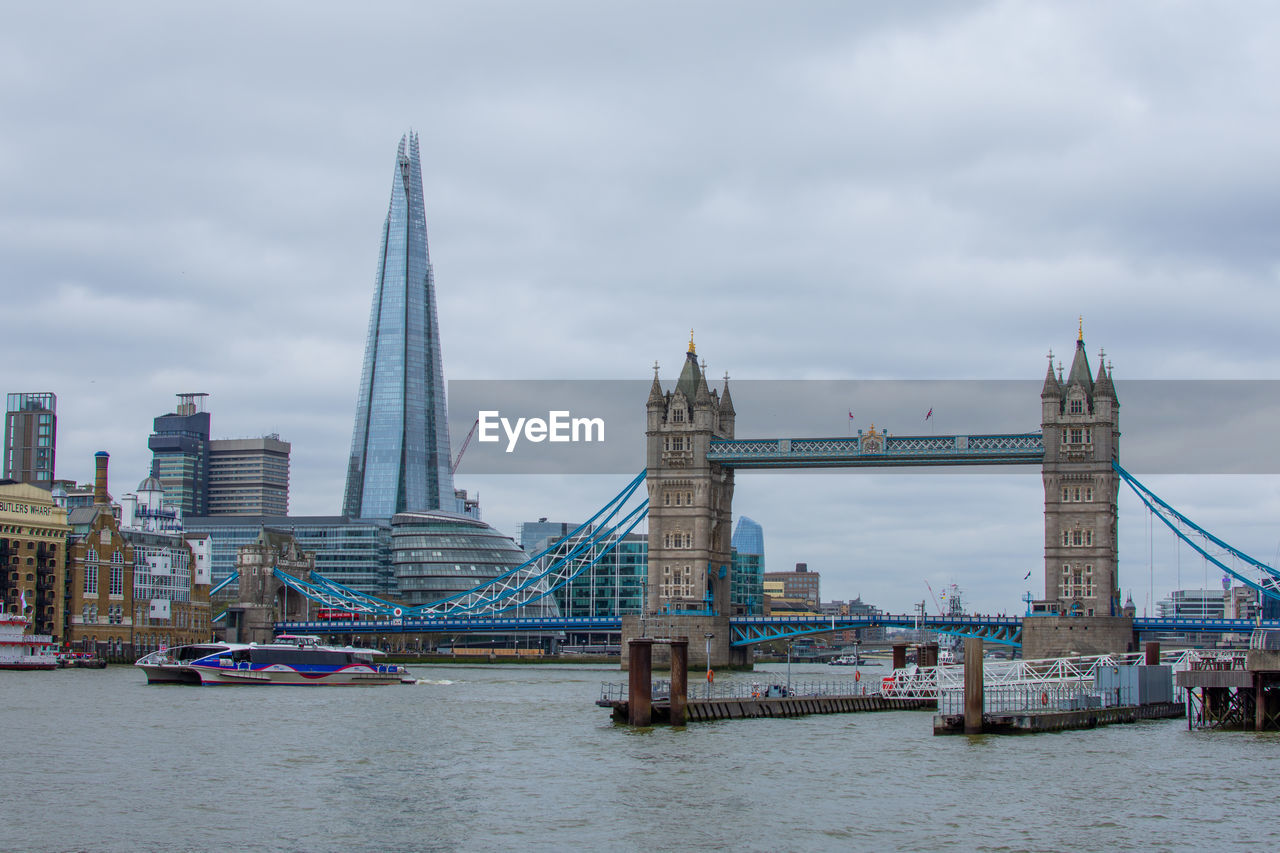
[20, 650]
[291, 659]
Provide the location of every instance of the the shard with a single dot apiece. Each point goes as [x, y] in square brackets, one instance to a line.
[400, 443]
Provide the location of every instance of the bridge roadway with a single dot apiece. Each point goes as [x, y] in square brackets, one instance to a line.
[749, 630]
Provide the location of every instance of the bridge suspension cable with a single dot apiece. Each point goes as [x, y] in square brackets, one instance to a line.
[532, 580]
[1247, 570]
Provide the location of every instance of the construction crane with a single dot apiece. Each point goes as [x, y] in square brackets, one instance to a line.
[457, 460]
[941, 612]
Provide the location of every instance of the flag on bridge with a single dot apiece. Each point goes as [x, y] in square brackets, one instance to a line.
[929, 413]
[850, 415]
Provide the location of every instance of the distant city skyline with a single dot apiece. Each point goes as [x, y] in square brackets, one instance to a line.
[823, 192]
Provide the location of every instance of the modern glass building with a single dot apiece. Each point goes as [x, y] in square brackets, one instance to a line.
[355, 553]
[611, 586]
[747, 584]
[180, 454]
[30, 437]
[400, 444]
[748, 538]
[439, 554]
[746, 587]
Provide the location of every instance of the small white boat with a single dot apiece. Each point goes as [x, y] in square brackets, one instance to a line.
[292, 659]
[20, 650]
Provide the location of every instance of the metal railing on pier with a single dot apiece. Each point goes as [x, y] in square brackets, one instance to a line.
[1263, 640]
[1024, 697]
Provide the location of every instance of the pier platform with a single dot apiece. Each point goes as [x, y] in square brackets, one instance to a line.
[703, 710]
[1029, 722]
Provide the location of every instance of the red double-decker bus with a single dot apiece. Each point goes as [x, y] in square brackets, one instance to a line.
[331, 613]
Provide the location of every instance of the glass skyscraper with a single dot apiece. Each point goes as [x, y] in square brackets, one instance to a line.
[400, 444]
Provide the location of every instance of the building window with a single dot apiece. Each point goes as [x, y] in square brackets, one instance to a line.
[677, 414]
[91, 577]
[1077, 407]
[1077, 435]
[1088, 493]
[117, 574]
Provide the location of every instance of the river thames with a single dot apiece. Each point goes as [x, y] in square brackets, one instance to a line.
[519, 757]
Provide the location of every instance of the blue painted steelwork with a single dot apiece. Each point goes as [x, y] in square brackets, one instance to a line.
[747, 630]
[1203, 626]
[518, 587]
[454, 625]
[221, 585]
[879, 450]
[1253, 573]
[750, 630]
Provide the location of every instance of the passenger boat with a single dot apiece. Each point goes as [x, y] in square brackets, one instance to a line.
[20, 650]
[295, 659]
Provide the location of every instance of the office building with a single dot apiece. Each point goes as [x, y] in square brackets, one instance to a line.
[354, 552]
[604, 584]
[536, 536]
[400, 443]
[248, 476]
[1193, 604]
[746, 589]
[800, 585]
[30, 438]
[180, 454]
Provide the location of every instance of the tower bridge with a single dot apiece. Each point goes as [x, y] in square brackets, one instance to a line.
[692, 458]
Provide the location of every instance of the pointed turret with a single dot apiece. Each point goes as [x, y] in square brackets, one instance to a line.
[1103, 387]
[656, 397]
[689, 374]
[726, 402]
[1079, 374]
[703, 395]
[1052, 387]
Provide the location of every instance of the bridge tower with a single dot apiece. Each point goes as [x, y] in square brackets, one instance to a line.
[690, 498]
[262, 597]
[1081, 611]
[690, 516]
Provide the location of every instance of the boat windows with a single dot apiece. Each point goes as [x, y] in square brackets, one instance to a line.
[294, 657]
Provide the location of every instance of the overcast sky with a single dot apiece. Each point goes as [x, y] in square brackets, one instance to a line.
[191, 197]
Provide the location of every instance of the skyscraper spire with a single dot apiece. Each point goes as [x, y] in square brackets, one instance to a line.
[400, 443]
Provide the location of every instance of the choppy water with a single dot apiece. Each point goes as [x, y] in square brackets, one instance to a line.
[505, 757]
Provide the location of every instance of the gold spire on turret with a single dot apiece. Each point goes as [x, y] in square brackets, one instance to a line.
[692, 348]
[1080, 334]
